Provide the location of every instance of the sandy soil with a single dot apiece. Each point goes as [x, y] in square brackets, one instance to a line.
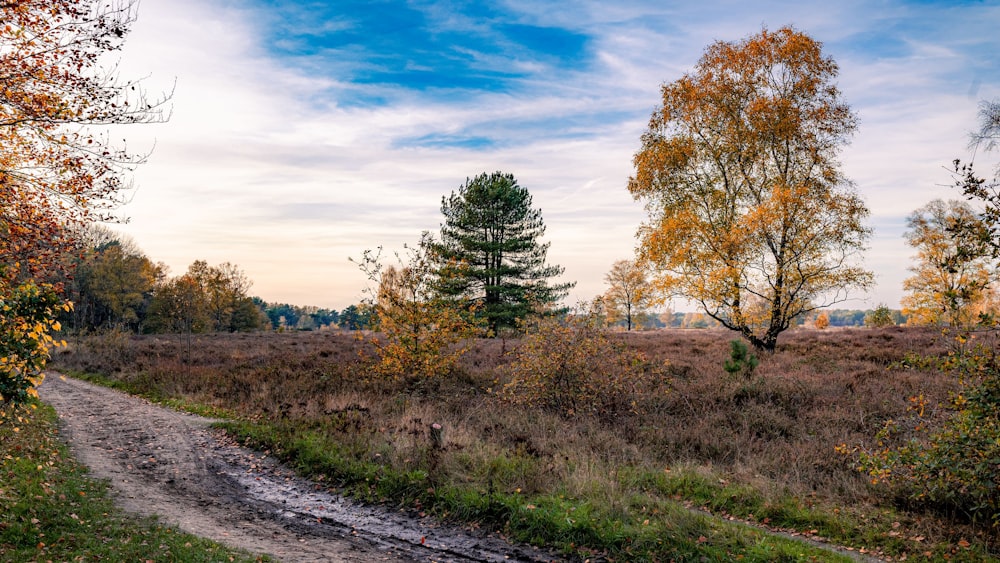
[175, 466]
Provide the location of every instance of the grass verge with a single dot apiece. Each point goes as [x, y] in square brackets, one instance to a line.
[146, 391]
[53, 512]
[657, 529]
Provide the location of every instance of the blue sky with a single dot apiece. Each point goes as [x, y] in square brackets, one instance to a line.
[304, 132]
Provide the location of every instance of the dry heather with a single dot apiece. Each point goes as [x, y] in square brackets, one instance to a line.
[775, 431]
[820, 389]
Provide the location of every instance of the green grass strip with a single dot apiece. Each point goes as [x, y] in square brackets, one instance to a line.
[51, 510]
[572, 525]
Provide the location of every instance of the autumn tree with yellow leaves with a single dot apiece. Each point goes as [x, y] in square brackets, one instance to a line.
[59, 167]
[112, 283]
[421, 331]
[629, 292]
[953, 270]
[750, 216]
[56, 170]
[204, 299]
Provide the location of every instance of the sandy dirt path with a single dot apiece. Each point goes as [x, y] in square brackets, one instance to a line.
[174, 465]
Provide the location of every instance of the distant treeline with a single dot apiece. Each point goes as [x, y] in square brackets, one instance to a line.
[114, 285]
[851, 317]
[837, 318]
[283, 316]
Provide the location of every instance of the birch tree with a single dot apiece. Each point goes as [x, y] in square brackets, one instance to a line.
[750, 216]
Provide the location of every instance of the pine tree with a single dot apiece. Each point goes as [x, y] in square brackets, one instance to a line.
[489, 253]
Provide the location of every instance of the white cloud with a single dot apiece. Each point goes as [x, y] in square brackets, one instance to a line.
[262, 166]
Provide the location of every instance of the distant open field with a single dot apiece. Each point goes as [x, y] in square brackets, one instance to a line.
[760, 449]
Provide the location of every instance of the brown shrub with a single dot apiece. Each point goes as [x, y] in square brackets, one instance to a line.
[576, 369]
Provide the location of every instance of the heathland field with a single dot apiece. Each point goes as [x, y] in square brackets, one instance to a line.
[619, 453]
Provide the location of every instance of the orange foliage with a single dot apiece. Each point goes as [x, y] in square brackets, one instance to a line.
[750, 216]
[421, 332]
[951, 279]
[822, 321]
[54, 171]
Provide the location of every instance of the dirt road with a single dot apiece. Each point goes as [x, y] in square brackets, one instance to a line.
[175, 466]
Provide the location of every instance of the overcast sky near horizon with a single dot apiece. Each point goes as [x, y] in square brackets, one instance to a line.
[303, 133]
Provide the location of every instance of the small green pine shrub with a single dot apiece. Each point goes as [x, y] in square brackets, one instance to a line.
[741, 360]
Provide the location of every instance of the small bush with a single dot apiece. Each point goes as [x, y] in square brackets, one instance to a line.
[741, 360]
[822, 321]
[956, 467]
[27, 321]
[574, 368]
[421, 331]
[880, 317]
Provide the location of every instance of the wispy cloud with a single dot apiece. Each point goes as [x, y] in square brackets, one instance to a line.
[305, 132]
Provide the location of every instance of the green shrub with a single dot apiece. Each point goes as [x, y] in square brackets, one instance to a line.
[27, 321]
[741, 360]
[880, 317]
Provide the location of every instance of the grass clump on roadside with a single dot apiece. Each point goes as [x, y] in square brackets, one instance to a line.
[650, 529]
[53, 512]
[152, 393]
